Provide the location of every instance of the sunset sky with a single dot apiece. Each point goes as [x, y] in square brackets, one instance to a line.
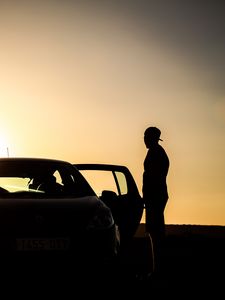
[81, 81]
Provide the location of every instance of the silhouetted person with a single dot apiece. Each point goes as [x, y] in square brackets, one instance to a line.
[155, 194]
[49, 185]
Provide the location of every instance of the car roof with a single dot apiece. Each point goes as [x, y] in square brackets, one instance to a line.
[31, 159]
[94, 166]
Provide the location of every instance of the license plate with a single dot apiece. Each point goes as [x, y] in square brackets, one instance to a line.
[38, 244]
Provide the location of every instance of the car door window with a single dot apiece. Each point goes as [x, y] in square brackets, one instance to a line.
[116, 187]
[106, 180]
[122, 182]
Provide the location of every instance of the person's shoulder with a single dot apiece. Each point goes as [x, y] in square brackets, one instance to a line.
[162, 150]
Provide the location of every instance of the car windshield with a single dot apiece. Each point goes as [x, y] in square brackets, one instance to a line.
[23, 178]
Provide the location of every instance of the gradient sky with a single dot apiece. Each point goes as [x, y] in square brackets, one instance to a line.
[81, 80]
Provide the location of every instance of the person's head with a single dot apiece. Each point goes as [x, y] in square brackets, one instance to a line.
[152, 136]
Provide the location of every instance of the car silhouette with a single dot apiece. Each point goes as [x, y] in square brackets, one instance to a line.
[56, 221]
[50, 217]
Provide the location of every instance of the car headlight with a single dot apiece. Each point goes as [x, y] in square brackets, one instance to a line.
[103, 219]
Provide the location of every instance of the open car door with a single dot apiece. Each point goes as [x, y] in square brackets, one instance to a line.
[116, 187]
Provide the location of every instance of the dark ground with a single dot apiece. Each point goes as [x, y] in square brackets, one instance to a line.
[193, 260]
